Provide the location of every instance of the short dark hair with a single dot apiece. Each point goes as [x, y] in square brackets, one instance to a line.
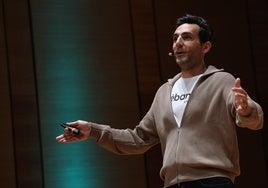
[205, 31]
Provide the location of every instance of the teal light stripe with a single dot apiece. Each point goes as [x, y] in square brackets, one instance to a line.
[63, 71]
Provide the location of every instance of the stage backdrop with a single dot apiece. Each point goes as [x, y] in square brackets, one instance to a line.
[64, 60]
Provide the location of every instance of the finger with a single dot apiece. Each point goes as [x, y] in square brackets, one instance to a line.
[73, 124]
[241, 104]
[61, 138]
[68, 139]
[240, 101]
[67, 132]
[240, 94]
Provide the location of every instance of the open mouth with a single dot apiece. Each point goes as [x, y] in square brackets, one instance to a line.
[180, 53]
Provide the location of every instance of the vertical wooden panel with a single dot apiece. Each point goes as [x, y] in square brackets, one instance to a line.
[7, 165]
[258, 20]
[23, 96]
[148, 75]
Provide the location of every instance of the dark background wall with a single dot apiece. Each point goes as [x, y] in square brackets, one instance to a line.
[63, 60]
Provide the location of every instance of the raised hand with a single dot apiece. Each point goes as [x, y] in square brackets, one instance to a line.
[241, 97]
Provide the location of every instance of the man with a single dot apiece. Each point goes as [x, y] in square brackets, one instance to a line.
[193, 116]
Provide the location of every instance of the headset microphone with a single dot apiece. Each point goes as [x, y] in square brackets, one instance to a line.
[172, 55]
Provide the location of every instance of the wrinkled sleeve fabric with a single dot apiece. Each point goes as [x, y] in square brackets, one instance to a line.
[127, 141]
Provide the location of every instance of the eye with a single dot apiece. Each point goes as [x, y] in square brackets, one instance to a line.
[175, 37]
[187, 37]
[184, 37]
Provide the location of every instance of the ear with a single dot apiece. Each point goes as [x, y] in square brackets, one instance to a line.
[206, 47]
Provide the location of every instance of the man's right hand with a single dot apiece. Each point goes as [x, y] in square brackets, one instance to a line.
[69, 136]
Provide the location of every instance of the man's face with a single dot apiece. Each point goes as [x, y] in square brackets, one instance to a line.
[187, 48]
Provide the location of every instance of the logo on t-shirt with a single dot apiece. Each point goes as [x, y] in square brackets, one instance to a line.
[183, 97]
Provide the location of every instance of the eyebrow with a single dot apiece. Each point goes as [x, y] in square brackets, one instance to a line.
[183, 33]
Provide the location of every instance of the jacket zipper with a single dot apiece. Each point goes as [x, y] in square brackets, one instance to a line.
[178, 142]
[177, 155]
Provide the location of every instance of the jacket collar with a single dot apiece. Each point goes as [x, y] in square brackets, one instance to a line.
[210, 70]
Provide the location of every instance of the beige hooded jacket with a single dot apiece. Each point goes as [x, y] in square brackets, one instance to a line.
[206, 143]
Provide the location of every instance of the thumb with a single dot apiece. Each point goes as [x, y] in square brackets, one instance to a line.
[237, 82]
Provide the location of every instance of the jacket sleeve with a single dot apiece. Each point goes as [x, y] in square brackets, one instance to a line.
[126, 141]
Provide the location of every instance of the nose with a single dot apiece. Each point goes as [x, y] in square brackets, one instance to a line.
[178, 41]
